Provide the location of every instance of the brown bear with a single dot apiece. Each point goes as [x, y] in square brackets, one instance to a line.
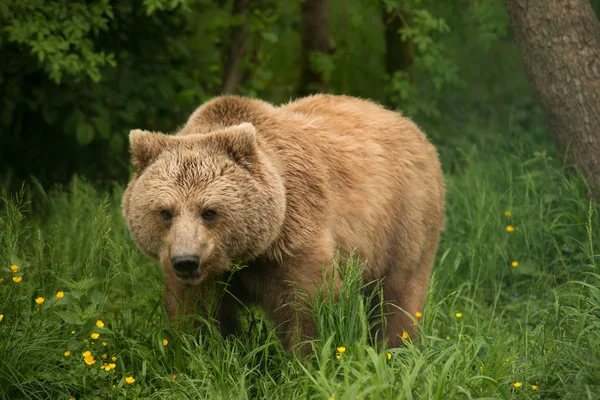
[286, 190]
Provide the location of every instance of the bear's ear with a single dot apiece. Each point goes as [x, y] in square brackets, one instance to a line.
[145, 147]
[239, 142]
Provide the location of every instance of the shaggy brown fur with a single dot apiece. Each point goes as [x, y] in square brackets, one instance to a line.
[285, 189]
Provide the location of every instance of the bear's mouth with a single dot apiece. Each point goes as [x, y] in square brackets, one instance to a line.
[188, 275]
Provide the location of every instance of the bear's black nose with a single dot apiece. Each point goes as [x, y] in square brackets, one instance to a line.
[186, 263]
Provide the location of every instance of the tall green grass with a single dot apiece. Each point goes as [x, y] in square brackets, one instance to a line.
[534, 324]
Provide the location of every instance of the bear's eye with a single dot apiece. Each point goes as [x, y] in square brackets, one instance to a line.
[209, 215]
[166, 215]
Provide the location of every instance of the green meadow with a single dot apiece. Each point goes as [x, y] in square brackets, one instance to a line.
[512, 313]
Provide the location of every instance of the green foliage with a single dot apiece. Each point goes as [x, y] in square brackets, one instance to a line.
[60, 35]
[534, 324]
[78, 76]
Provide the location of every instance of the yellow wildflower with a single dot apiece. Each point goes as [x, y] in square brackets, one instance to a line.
[67, 353]
[17, 279]
[104, 343]
[514, 264]
[517, 384]
[112, 365]
[104, 356]
[73, 332]
[130, 379]
[418, 315]
[89, 360]
[1, 317]
[95, 335]
[60, 294]
[86, 353]
[338, 356]
[510, 228]
[39, 300]
[389, 355]
[405, 335]
[165, 342]
[100, 324]
[113, 358]
[534, 387]
[507, 213]
[105, 367]
[458, 315]
[14, 268]
[341, 349]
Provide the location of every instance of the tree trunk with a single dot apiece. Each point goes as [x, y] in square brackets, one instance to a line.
[399, 53]
[559, 42]
[233, 74]
[315, 38]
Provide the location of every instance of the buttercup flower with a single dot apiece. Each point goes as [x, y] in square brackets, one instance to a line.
[17, 279]
[67, 353]
[510, 228]
[338, 356]
[113, 358]
[1, 317]
[108, 367]
[405, 335]
[130, 379]
[86, 353]
[534, 387]
[388, 355]
[73, 332]
[89, 360]
[104, 356]
[458, 315]
[517, 384]
[14, 268]
[104, 343]
[418, 315]
[59, 295]
[95, 336]
[39, 300]
[514, 264]
[341, 349]
[165, 342]
[100, 324]
[507, 213]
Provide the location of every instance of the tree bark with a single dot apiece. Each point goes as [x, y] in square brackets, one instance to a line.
[399, 54]
[233, 74]
[315, 38]
[559, 42]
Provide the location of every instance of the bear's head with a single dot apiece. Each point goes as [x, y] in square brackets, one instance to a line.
[199, 201]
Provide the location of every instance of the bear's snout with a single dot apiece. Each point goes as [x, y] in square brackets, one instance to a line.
[186, 264]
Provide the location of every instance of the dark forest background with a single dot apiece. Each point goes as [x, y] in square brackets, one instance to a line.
[77, 76]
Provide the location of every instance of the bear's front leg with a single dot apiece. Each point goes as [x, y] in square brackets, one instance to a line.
[286, 290]
[181, 302]
[209, 300]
